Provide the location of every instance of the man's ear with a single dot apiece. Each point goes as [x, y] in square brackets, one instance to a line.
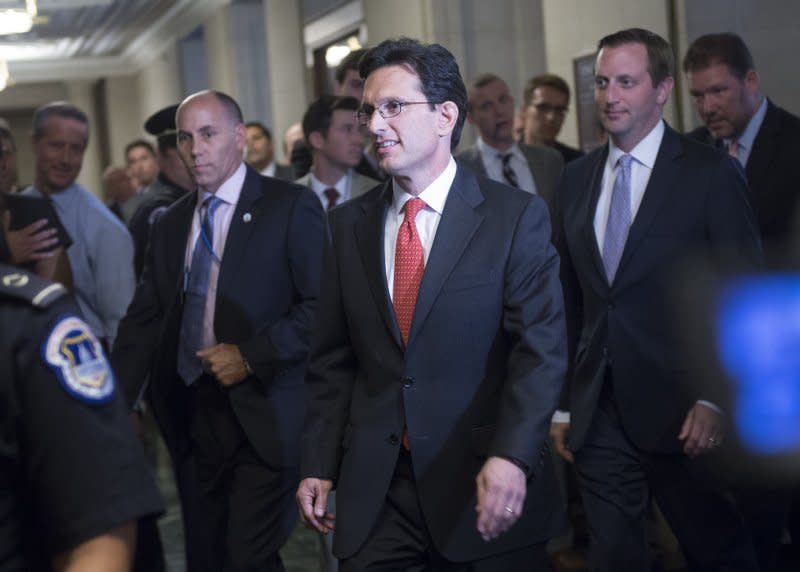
[448, 116]
[316, 140]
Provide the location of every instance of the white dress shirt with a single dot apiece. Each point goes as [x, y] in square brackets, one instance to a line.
[493, 164]
[269, 170]
[427, 221]
[229, 192]
[748, 137]
[342, 186]
[644, 157]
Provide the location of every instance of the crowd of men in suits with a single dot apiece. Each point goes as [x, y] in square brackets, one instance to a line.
[421, 330]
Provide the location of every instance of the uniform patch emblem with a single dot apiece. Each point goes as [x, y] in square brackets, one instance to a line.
[15, 280]
[75, 354]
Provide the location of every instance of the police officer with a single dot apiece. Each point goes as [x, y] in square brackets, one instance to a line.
[73, 479]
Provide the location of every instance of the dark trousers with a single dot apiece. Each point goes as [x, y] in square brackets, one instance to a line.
[617, 480]
[238, 512]
[400, 540]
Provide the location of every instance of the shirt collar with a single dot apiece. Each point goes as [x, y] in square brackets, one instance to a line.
[748, 136]
[231, 189]
[489, 153]
[645, 151]
[341, 185]
[434, 194]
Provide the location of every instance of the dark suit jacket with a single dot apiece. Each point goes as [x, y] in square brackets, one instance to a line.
[695, 202]
[267, 287]
[284, 172]
[545, 164]
[480, 376]
[773, 172]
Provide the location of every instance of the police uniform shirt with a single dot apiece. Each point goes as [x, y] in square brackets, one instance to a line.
[71, 468]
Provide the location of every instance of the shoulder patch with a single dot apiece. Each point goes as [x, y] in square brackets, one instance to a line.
[74, 353]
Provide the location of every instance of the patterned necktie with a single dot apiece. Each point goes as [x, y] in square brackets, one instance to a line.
[619, 218]
[333, 197]
[508, 170]
[195, 295]
[409, 265]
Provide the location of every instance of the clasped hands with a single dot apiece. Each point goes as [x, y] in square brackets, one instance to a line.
[225, 363]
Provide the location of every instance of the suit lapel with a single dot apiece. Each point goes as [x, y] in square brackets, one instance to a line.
[179, 236]
[595, 188]
[250, 202]
[459, 222]
[662, 180]
[369, 238]
[763, 146]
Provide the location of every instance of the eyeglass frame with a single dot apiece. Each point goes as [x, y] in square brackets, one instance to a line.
[381, 109]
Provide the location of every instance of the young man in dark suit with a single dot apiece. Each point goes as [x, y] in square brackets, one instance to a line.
[221, 322]
[630, 212]
[438, 350]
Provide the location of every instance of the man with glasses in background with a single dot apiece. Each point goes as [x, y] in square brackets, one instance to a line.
[545, 103]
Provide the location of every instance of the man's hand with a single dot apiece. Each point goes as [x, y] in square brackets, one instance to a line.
[312, 500]
[26, 244]
[702, 431]
[501, 494]
[224, 362]
[558, 433]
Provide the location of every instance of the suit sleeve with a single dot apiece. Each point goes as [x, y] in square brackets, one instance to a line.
[138, 333]
[330, 377]
[533, 322]
[285, 342]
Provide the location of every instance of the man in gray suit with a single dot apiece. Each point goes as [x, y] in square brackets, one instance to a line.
[332, 133]
[532, 168]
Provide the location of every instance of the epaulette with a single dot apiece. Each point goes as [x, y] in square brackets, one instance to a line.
[23, 285]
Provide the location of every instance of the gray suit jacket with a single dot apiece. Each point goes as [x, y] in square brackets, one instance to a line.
[359, 184]
[545, 164]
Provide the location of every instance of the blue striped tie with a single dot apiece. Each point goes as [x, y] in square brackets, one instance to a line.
[195, 294]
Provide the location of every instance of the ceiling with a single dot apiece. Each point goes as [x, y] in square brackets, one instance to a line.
[84, 39]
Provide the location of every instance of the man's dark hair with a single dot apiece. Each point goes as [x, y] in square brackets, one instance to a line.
[57, 109]
[140, 143]
[260, 126]
[436, 68]
[544, 80]
[727, 49]
[319, 115]
[660, 59]
[350, 62]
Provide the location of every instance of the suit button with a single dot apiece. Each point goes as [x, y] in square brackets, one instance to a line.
[408, 382]
[394, 439]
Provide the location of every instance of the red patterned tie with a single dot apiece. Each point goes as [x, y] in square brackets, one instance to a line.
[409, 265]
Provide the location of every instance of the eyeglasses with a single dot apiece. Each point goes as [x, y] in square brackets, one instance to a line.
[387, 109]
[545, 108]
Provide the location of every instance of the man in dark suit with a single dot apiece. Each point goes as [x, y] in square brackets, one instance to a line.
[766, 140]
[738, 118]
[220, 322]
[438, 351]
[630, 212]
[532, 168]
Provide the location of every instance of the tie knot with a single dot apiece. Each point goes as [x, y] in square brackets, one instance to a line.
[505, 158]
[211, 203]
[332, 195]
[625, 161]
[413, 206]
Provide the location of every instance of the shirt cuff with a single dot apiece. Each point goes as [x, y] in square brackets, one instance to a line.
[560, 417]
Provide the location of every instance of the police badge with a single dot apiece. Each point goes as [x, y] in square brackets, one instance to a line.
[75, 354]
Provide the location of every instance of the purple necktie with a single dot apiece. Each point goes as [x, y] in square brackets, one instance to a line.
[619, 218]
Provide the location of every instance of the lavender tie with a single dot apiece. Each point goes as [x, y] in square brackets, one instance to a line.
[619, 218]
